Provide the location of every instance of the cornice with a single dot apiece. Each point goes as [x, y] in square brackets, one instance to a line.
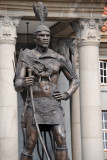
[58, 10]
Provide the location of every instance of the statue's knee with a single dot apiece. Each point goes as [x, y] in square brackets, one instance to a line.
[61, 140]
[25, 157]
[30, 143]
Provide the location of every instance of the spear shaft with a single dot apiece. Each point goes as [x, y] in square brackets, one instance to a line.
[34, 113]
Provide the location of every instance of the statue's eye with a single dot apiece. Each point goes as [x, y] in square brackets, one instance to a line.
[48, 35]
[41, 35]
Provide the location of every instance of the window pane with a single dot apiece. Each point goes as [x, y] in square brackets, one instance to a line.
[104, 65]
[104, 79]
[105, 115]
[100, 64]
[103, 125]
[101, 79]
[105, 144]
[104, 72]
[105, 135]
[101, 71]
[102, 115]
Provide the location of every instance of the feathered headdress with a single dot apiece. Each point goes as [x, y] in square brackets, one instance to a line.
[41, 13]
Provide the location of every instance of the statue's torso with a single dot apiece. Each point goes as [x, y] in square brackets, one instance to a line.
[46, 72]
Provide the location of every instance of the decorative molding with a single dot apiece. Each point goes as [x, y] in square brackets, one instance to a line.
[59, 10]
[87, 31]
[8, 29]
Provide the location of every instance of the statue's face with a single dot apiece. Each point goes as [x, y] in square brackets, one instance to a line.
[43, 39]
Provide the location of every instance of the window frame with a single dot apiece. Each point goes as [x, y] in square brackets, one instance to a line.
[104, 130]
[103, 72]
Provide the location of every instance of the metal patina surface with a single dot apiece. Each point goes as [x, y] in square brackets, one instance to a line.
[36, 78]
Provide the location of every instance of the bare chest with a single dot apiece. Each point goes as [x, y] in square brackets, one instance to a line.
[47, 67]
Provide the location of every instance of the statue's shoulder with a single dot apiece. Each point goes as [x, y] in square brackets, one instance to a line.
[57, 55]
[22, 58]
[24, 53]
[27, 54]
[26, 50]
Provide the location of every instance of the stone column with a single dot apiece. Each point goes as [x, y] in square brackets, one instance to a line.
[91, 130]
[8, 96]
[75, 111]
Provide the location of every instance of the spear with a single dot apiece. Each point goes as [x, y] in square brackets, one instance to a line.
[34, 113]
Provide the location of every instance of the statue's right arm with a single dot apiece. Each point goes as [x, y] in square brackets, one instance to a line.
[20, 79]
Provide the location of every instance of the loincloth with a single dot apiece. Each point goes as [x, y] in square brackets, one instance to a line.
[48, 111]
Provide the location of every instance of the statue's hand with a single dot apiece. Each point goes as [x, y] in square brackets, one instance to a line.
[58, 96]
[29, 81]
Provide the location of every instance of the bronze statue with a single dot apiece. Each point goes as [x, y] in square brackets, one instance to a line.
[37, 76]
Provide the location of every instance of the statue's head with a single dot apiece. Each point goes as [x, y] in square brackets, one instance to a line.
[42, 36]
[42, 33]
[40, 28]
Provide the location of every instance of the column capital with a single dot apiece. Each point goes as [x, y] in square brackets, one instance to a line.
[87, 31]
[8, 29]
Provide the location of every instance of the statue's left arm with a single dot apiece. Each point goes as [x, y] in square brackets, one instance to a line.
[74, 84]
[68, 69]
[70, 73]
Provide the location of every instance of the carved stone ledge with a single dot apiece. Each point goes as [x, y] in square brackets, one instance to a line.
[8, 29]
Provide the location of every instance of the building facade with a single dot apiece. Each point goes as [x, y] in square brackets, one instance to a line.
[76, 28]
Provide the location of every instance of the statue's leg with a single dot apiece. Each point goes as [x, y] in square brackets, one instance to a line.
[25, 157]
[31, 137]
[59, 134]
